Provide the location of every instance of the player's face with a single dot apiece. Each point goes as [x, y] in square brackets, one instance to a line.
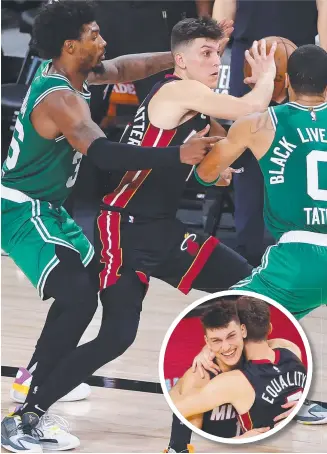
[91, 48]
[227, 343]
[202, 61]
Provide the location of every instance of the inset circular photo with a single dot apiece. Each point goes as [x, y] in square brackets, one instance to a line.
[235, 367]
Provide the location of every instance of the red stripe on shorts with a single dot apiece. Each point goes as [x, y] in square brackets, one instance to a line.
[198, 263]
[111, 253]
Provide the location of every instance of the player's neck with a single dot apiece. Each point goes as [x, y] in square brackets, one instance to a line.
[305, 100]
[180, 73]
[69, 70]
[258, 350]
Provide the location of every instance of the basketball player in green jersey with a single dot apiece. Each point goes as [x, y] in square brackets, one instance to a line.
[290, 143]
[53, 131]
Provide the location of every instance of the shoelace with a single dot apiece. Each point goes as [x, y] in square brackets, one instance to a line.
[28, 429]
[49, 421]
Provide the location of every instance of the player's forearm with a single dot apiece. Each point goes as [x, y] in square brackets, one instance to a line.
[224, 9]
[211, 167]
[225, 152]
[119, 156]
[139, 66]
[322, 23]
[192, 404]
[260, 96]
[204, 7]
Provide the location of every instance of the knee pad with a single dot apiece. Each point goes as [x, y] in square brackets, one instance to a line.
[125, 296]
[70, 283]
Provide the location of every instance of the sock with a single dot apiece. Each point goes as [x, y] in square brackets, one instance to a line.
[30, 408]
[180, 435]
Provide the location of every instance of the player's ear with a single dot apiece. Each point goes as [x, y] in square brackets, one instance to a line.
[270, 329]
[287, 81]
[179, 60]
[244, 331]
[69, 46]
[206, 340]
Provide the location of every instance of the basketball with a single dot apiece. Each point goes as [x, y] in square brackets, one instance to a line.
[285, 48]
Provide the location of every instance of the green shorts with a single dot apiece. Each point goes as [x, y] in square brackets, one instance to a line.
[293, 274]
[31, 229]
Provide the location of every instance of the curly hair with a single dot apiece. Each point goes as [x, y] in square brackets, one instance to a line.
[58, 21]
[220, 314]
[255, 314]
[188, 29]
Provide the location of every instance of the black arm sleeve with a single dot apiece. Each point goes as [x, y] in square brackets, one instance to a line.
[120, 156]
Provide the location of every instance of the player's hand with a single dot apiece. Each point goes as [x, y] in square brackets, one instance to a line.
[204, 361]
[290, 405]
[194, 150]
[225, 177]
[253, 432]
[227, 29]
[261, 63]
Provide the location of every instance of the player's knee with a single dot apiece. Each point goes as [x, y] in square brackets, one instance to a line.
[79, 297]
[116, 335]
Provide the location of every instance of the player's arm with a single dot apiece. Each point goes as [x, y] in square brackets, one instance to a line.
[322, 23]
[128, 68]
[227, 150]
[191, 95]
[284, 343]
[224, 388]
[216, 129]
[71, 116]
[204, 7]
[224, 9]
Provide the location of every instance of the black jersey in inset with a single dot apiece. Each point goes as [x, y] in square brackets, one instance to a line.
[153, 193]
[222, 421]
[274, 384]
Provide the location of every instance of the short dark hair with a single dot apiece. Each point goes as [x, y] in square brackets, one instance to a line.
[188, 29]
[220, 314]
[58, 21]
[255, 314]
[307, 70]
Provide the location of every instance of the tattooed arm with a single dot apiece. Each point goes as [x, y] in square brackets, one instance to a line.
[254, 131]
[128, 68]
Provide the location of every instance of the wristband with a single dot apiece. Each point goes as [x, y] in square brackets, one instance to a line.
[204, 183]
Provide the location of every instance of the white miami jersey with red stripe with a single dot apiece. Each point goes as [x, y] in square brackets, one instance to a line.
[153, 193]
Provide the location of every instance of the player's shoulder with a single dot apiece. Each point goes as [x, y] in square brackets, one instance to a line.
[63, 98]
[290, 351]
[254, 123]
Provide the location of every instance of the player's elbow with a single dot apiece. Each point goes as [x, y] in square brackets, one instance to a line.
[250, 107]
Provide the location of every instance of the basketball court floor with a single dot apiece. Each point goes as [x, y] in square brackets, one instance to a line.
[126, 411]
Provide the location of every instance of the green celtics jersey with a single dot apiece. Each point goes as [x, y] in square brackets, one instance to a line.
[41, 168]
[295, 170]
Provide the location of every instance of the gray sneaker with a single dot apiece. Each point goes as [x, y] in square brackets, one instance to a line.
[312, 412]
[19, 434]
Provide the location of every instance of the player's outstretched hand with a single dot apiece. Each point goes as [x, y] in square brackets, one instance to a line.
[193, 151]
[204, 361]
[253, 432]
[261, 63]
[290, 405]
